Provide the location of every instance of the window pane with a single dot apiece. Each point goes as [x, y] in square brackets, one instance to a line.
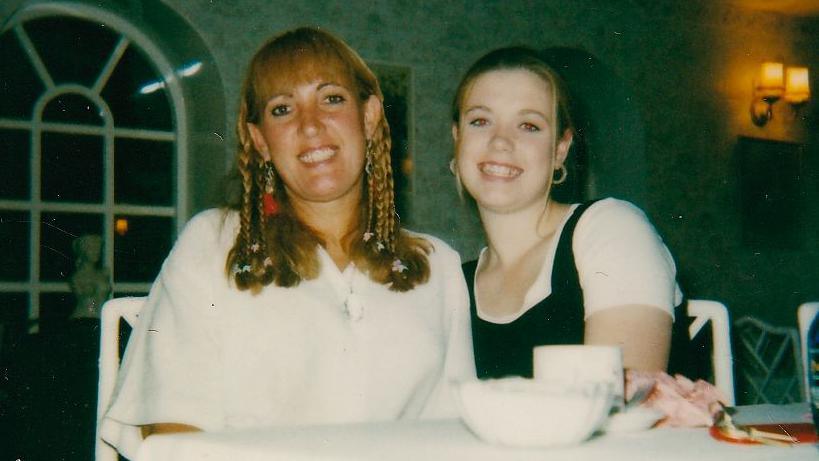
[72, 169]
[15, 231]
[15, 161]
[72, 108]
[14, 317]
[54, 310]
[130, 99]
[73, 50]
[21, 86]
[58, 231]
[143, 172]
[140, 247]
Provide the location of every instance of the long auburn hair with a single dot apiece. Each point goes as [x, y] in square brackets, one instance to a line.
[281, 249]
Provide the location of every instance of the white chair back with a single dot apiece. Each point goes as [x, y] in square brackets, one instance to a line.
[805, 315]
[112, 311]
[721, 357]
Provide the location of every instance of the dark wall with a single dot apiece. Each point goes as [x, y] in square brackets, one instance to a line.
[666, 139]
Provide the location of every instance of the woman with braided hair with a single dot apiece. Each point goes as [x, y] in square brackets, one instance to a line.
[306, 303]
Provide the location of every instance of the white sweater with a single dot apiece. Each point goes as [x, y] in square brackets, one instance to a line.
[336, 349]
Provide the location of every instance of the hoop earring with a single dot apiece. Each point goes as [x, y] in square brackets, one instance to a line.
[563, 173]
[269, 203]
[452, 166]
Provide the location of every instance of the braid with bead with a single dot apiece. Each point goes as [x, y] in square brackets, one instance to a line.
[388, 244]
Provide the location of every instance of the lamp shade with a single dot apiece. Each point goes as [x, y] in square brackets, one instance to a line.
[770, 82]
[797, 85]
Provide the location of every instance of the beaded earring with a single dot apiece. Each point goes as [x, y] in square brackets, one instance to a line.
[269, 203]
[368, 168]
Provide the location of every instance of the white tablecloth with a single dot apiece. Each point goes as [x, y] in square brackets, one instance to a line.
[451, 440]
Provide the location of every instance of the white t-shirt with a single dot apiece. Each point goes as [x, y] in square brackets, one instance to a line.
[620, 260]
[340, 348]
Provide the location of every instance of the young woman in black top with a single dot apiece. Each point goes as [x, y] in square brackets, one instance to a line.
[552, 273]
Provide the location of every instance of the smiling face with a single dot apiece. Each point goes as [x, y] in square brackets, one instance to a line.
[315, 130]
[505, 140]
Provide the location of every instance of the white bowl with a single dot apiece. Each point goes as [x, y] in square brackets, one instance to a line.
[524, 412]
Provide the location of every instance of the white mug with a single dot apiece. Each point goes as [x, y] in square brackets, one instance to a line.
[579, 363]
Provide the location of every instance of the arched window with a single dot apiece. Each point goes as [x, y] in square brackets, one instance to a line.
[91, 142]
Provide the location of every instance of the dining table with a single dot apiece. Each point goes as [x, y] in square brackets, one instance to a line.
[451, 439]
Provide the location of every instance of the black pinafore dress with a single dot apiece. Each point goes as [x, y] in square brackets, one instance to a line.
[506, 349]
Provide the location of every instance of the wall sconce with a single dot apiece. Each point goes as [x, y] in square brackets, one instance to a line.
[772, 84]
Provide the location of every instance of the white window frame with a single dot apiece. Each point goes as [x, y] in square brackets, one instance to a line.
[129, 35]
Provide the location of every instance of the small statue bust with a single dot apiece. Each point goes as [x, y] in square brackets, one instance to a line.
[90, 282]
